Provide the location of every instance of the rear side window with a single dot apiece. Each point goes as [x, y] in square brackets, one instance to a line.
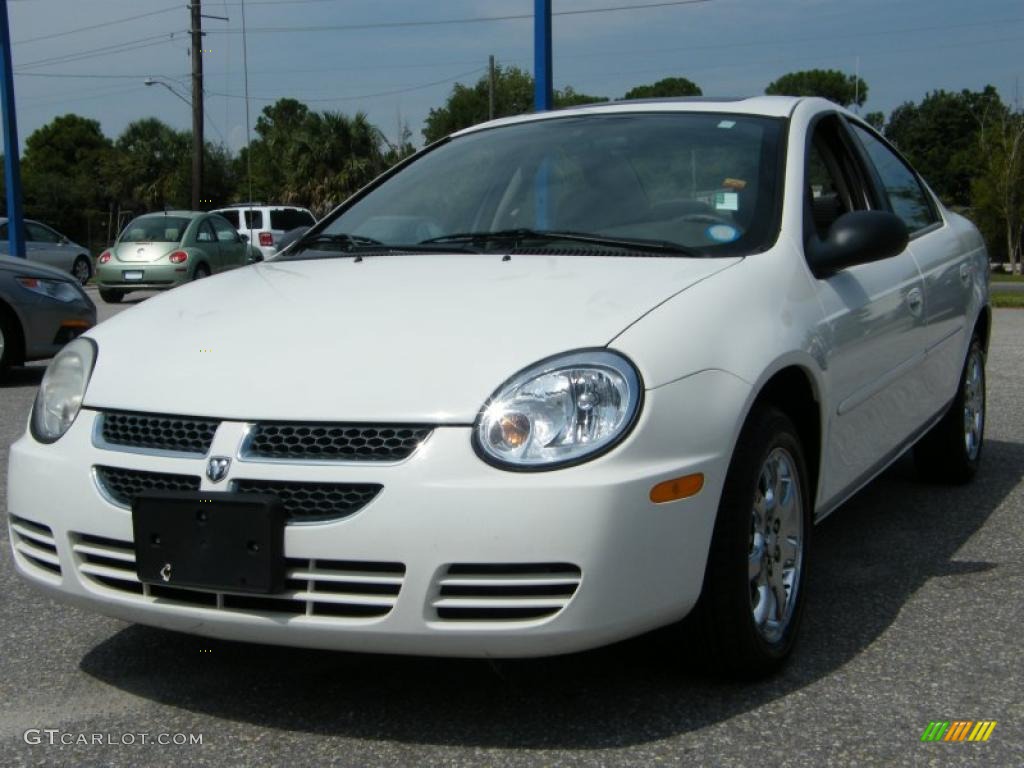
[907, 197]
[231, 216]
[254, 219]
[289, 218]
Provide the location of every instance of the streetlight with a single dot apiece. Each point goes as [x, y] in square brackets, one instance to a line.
[151, 81]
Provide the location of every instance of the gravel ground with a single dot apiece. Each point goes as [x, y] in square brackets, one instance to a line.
[915, 613]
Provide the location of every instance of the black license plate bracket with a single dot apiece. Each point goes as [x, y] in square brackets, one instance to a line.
[230, 542]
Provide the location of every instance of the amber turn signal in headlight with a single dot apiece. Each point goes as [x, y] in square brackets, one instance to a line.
[680, 488]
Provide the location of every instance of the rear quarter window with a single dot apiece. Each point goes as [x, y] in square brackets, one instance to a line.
[285, 219]
[231, 216]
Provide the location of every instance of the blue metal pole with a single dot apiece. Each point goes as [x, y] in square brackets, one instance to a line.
[12, 170]
[544, 92]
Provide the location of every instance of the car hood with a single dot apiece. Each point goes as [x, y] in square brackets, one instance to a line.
[420, 338]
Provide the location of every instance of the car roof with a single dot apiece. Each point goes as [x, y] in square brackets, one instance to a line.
[180, 214]
[765, 106]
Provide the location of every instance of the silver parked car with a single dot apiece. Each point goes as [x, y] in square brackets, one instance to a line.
[41, 310]
[50, 247]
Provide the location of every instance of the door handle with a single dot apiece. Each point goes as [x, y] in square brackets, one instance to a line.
[915, 301]
[966, 273]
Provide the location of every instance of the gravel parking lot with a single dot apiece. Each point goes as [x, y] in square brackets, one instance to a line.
[915, 613]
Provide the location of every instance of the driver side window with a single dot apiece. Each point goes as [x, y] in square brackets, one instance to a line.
[834, 184]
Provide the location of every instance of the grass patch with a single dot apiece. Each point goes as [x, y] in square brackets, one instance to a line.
[1002, 277]
[1012, 300]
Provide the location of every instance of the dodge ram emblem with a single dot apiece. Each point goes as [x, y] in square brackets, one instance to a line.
[217, 468]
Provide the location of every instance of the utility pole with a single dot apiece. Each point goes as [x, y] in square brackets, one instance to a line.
[12, 169]
[197, 102]
[490, 88]
[543, 94]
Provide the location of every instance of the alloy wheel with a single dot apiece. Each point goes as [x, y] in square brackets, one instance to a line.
[974, 404]
[776, 554]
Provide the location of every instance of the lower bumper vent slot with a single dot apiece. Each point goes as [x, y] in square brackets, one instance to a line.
[328, 588]
[505, 592]
[35, 543]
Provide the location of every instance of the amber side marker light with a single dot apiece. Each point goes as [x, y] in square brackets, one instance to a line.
[679, 488]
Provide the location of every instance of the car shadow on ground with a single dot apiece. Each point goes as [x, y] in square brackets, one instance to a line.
[869, 559]
[25, 376]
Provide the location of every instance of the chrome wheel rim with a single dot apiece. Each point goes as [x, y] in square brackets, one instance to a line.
[776, 555]
[974, 404]
[1, 343]
[82, 272]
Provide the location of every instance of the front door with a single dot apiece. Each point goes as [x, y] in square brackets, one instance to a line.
[232, 249]
[874, 320]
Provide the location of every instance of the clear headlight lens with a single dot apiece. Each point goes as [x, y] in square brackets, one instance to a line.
[560, 411]
[60, 395]
[54, 289]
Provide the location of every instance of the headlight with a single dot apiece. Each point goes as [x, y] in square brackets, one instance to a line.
[54, 289]
[560, 411]
[60, 395]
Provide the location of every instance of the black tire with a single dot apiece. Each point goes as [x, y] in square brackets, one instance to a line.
[82, 269]
[10, 339]
[200, 272]
[722, 627]
[951, 450]
[111, 296]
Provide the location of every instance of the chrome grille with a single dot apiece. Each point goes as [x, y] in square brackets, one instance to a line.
[505, 591]
[334, 442]
[325, 588]
[179, 434]
[123, 485]
[35, 543]
[313, 502]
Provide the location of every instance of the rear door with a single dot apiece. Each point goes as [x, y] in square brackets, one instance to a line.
[944, 262]
[873, 322]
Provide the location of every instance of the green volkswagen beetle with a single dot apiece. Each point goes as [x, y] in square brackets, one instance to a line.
[161, 250]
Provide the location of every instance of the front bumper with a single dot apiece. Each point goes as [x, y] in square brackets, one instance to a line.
[639, 565]
[155, 275]
[51, 324]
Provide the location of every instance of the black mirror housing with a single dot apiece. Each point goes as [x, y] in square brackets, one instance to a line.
[858, 237]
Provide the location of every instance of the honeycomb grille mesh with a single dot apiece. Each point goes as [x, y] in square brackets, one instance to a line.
[123, 485]
[310, 502]
[162, 433]
[337, 442]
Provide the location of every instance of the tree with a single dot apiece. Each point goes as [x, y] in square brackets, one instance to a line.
[939, 136]
[667, 88]
[64, 173]
[998, 190]
[830, 84]
[152, 167]
[513, 95]
[876, 120]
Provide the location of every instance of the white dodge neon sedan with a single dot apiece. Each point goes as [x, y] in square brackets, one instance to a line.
[554, 381]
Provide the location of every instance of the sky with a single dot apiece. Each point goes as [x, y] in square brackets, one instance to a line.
[92, 57]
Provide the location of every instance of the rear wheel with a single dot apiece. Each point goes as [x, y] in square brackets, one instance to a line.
[750, 608]
[9, 341]
[951, 451]
[111, 296]
[82, 270]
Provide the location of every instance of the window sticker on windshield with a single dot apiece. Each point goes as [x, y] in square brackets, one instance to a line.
[721, 233]
[727, 201]
[727, 124]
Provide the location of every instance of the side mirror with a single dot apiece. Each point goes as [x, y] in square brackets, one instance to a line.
[63, 240]
[244, 238]
[858, 237]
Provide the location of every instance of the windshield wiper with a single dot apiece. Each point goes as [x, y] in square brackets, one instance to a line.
[358, 245]
[339, 238]
[519, 235]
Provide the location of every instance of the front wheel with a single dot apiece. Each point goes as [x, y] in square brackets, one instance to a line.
[951, 451]
[751, 604]
[201, 271]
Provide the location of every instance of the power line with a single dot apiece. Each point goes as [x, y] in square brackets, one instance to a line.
[97, 26]
[90, 53]
[63, 75]
[465, 20]
[394, 92]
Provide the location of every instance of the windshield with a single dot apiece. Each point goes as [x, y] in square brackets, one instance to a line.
[705, 182]
[155, 229]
